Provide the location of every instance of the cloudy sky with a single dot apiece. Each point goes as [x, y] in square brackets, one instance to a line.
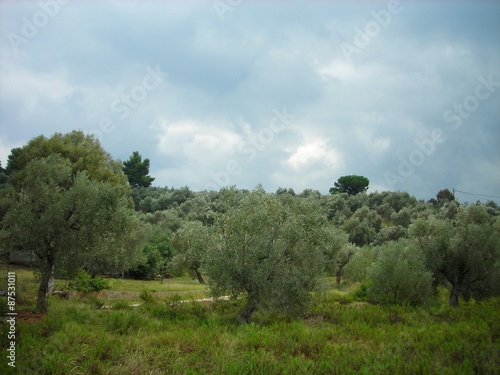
[287, 94]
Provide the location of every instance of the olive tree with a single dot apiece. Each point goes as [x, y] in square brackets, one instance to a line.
[83, 151]
[343, 257]
[463, 252]
[336, 250]
[360, 263]
[363, 226]
[61, 219]
[270, 249]
[399, 275]
[190, 243]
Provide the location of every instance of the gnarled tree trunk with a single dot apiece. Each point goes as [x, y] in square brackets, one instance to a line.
[43, 289]
[455, 293]
[248, 310]
[199, 277]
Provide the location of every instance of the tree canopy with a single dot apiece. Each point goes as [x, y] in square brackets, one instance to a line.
[259, 249]
[351, 185]
[70, 208]
[68, 219]
[463, 250]
[83, 152]
[137, 171]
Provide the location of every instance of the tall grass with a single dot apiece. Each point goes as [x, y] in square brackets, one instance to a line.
[338, 336]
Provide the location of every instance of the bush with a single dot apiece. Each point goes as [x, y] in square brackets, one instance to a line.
[121, 305]
[399, 276]
[147, 297]
[84, 283]
[358, 268]
[94, 301]
[361, 292]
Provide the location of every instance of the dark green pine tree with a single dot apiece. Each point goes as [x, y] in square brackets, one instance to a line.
[137, 171]
[351, 185]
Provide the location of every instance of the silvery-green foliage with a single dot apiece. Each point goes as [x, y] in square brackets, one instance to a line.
[107, 233]
[403, 217]
[463, 249]
[337, 249]
[399, 275]
[336, 207]
[390, 233]
[343, 257]
[270, 248]
[190, 243]
[66, 221]
[363, 226]
[358, 267]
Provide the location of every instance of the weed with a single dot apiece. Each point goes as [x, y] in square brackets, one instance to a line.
[121, 305]
[147, 297]
[94, 301]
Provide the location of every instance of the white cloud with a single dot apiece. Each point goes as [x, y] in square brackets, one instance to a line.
[195, 140]
[312, 151]
[338, 69]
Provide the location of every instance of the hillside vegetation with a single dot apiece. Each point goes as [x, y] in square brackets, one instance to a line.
[166, 280]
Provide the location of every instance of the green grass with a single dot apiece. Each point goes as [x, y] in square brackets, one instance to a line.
[177, 284]
[121, 289]
[338, 336]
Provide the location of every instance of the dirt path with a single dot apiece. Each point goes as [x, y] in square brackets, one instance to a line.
[223, 298]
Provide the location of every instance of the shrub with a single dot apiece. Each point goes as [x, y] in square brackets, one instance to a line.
[399, 276]
[147, 297]
[121, 305]
[361, 292]
[358, 268]
[84, 283]
[94, 301]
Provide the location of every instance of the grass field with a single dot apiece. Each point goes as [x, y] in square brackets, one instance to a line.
[164, 336]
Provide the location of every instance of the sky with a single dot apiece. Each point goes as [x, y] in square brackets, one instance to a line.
[245, 92]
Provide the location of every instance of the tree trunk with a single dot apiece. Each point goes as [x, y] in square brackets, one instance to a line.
[51, 284]
[199, 277]
[338, 278]
[43, 290]
[455, 293]
[248, 310]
